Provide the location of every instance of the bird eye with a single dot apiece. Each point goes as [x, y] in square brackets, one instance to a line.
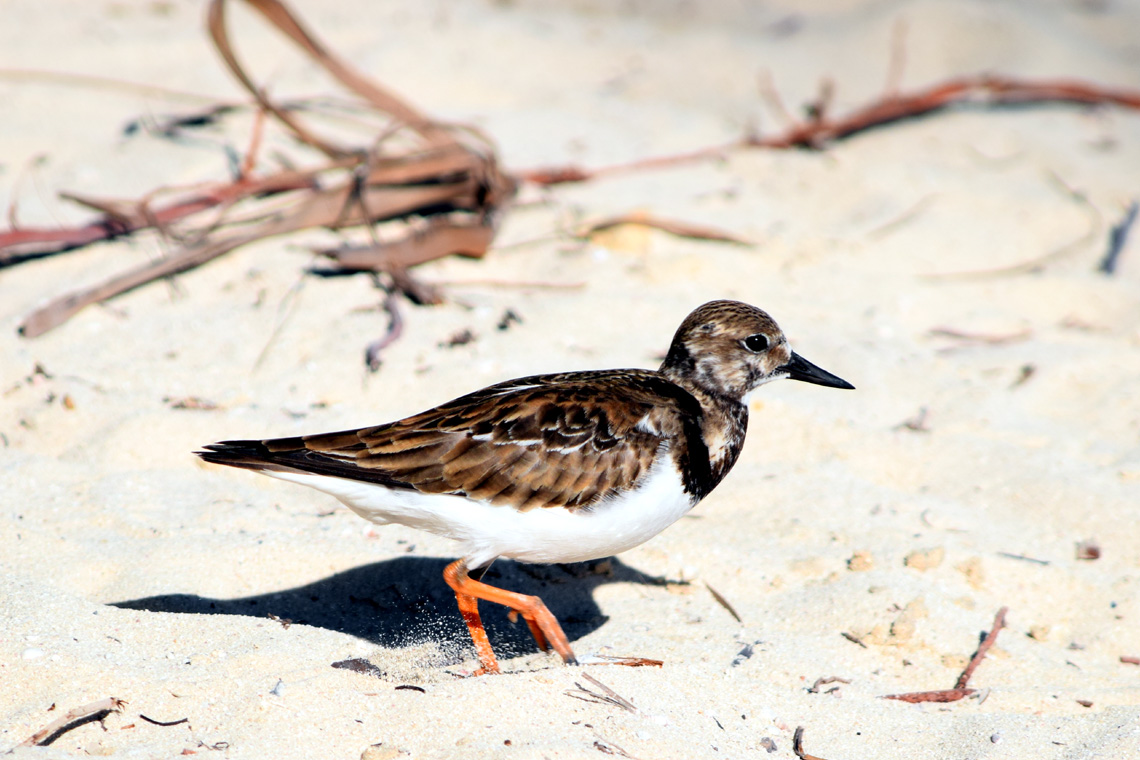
[756, 343]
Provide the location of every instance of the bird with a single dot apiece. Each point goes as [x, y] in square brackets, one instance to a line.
[553, 468]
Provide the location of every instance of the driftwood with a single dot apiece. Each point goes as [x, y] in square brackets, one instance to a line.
[961, 689]
[820, 130]
[73, 719]
[446, 176]
[439, 171]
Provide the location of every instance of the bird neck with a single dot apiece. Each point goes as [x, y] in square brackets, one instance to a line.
[723, 424]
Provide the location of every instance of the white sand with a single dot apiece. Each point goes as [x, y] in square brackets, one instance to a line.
[102, 503]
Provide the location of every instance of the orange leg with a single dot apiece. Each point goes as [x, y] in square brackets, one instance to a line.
[469, 608]
[543, 625]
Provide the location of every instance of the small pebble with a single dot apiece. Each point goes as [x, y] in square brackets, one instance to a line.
[995, 738]
[279, 689]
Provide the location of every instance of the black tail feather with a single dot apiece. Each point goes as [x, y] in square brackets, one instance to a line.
[292, 455]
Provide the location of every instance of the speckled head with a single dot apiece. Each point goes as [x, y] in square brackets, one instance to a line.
[729, 348]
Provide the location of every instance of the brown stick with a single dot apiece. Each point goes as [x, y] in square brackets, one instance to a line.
[124, 217]
[280, 16]
[987, 642]
[438, 239]
[960, 690]
[78, 716]
[798, 745]
[987, 89]
[441, 173]
[317, 209]
[391, 335]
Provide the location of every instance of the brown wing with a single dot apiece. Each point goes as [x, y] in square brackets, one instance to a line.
[547, 441]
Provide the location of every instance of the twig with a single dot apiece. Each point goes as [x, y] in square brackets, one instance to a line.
[960, 690]
[178, 722]
[941, 695]
[629, 662]
[824, 682]
[395, 329]
[798, 745]
[447, 171]
[607, 747]
[987, 642]
[853, 639]
[1129, 660]
[1117, 237]
[1023, 558]
[607, 695]
[986, 89]
[73, 719]
[723, 602]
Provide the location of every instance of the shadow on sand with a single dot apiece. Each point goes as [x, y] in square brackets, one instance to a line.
[404, 601]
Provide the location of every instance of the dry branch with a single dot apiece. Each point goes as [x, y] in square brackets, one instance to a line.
[798, 745]
[960, 690]
[78, 716]
[447, 174]
[1117, 237]
[820, 130]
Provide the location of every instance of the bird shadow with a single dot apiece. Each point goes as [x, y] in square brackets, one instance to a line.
[404, 602]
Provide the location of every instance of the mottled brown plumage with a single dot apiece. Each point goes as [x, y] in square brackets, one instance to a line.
[563, 440]
[552, 468]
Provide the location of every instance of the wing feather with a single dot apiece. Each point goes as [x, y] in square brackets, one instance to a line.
[565, 440]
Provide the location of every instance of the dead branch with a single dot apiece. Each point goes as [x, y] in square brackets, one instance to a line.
[987, 90]
[1117, 237]
[449, 175]
[390, 336]
[73, 719]
[441, 237]
[821, 682]
[987, 642]
[960, 690]
[720, 599]
[445, 171]
[606, 695]
[798, 745]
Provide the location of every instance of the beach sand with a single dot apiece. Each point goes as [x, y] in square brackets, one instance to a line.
[129, 569]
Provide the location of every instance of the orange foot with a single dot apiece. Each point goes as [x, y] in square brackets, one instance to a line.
[543, 625]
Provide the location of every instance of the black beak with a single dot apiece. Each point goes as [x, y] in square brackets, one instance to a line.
[800, 368]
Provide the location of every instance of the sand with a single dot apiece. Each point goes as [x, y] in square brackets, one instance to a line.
[129, 569]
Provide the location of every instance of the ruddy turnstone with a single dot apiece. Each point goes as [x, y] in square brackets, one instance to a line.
[552, 468]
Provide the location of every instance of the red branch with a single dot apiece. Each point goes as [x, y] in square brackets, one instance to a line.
[960, 691]
[819, 131]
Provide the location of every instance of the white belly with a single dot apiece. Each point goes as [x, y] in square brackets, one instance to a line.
[551, 534]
